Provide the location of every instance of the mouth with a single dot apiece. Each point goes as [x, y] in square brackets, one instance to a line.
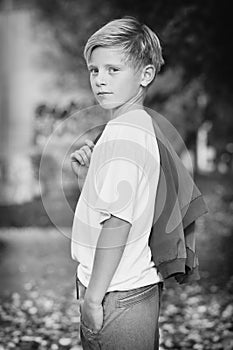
[102, 93]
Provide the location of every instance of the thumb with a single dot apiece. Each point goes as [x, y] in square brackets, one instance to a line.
[75, 166]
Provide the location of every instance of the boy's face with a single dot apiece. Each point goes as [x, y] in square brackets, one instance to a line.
[114, 82]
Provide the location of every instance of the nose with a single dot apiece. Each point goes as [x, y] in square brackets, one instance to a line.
[100, 79]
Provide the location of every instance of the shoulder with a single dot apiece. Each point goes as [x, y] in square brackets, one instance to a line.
[134, 125]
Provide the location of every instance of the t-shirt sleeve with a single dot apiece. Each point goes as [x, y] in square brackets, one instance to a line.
[117, 175]
[117, 191]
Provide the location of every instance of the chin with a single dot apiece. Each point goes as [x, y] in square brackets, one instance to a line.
[110, 105]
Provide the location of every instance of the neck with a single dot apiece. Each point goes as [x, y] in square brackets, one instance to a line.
[136, 102]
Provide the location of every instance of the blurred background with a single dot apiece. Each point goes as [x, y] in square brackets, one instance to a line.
[43, 83]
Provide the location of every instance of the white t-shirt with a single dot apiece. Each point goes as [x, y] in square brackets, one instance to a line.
[122, 180]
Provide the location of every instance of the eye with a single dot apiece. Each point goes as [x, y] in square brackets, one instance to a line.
[93, 71]
[113, 69]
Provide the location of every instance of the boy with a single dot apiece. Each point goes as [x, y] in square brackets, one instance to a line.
[119, 284]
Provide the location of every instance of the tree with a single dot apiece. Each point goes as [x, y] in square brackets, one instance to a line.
[195, 35]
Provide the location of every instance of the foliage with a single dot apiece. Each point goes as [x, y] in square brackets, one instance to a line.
[42, 312]
[191, 318]
[195, 35]
[196, 38]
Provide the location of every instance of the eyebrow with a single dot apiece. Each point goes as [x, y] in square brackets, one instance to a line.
[107, 65]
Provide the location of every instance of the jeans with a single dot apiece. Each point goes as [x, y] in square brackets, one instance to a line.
[130, 320]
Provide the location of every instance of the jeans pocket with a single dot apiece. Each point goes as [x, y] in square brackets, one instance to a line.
[89, 338]
[137, 296]
[87, 330]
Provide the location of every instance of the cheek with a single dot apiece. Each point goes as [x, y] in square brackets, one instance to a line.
[124, 83]
[130, 86]
[92, 83]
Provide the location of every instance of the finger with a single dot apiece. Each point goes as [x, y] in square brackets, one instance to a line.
[87, 150]
[85, 153]
[89, 143]
[85, 157]
[77, 157]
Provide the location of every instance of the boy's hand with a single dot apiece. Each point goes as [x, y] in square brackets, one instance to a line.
[80, 160]
[83, 155]
[92, 315]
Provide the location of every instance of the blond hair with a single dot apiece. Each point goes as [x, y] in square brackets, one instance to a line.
[139, 43]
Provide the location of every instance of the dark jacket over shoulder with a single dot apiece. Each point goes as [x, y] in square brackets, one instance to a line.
[177, 206]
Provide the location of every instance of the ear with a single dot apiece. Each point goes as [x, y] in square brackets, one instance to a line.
[148, 74]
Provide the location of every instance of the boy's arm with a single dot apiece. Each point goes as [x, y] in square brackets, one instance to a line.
[109, 250]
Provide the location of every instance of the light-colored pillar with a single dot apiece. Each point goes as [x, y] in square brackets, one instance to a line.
[17, 182]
